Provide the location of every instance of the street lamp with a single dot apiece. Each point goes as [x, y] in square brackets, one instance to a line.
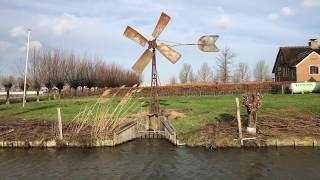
[25, 72]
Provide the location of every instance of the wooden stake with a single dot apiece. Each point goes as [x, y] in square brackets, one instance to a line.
[239, 121]
[60, 124]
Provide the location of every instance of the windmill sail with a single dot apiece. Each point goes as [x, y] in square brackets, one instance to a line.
[169, 53]
[135, 36]
[143, 61]
[162, 23]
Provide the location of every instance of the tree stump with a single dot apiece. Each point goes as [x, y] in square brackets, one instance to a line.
[252, 102]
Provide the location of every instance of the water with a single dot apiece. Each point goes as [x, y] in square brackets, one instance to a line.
[157, 159]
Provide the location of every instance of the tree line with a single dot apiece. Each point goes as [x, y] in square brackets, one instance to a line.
[226, 71]
[56, 68]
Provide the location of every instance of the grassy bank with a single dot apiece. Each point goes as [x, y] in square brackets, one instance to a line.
[199, 111]
[187, 113]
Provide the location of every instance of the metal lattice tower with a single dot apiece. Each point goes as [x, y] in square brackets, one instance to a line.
[154, 100]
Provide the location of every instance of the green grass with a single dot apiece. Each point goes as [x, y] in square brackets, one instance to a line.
[45, 109]
[198, 110]
[209, 109]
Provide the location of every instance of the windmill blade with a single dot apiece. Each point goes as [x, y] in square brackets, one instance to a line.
[169, 53]
[135, 36]
[162, 23]
[142, 62]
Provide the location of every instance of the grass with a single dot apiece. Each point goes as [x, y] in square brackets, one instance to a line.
[209, 109]
[199, 111]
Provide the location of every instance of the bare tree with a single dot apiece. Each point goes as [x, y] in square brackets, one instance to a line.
[261, 71]
[58, 70]
[192, 77]
[173, 80]
[224, 62]
[55, 68]
[36, 78]
[242, 73]
[186, 74]
[205, 73]
[47, 70]
[7, 83]
[20, 82]
[72, 68]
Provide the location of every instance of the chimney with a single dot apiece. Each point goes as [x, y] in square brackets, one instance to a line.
[313, 44]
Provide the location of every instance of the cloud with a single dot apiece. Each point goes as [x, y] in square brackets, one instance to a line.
[220, 9]
[223, 22]
[273, 16]
[4, 45]
[33, 45]
[283, 12]
[311, 3]
[18, 32]
[66, 23]
[286, 11]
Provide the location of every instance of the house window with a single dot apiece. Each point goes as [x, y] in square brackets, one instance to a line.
[285, 71]
[314, 69]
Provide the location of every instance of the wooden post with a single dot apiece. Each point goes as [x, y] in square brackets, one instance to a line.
[239, 121]
[282, 89]
[60, 124]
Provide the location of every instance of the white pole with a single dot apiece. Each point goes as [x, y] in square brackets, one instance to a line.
[25, 72]
[239, 121]
[60, 124]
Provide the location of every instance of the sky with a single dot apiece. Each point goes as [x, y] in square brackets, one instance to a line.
[253, 30]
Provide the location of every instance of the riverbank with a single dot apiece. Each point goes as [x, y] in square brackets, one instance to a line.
[200, 121]
[272, 130]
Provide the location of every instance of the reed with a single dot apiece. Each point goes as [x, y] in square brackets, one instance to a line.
[105, 116]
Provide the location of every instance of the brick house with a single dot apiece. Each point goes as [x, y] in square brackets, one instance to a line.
[298, 63]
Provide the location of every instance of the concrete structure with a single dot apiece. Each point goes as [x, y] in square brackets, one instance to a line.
[146, 128]
[298, 63]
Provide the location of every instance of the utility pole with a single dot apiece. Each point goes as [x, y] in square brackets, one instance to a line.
[25, 72]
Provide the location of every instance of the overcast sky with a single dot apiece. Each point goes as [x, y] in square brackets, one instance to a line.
[254, 30]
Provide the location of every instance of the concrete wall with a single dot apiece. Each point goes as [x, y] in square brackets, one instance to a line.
[169, 131]
[125, 134]
[21, 93]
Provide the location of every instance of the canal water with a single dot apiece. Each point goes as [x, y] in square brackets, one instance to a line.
[158, 159]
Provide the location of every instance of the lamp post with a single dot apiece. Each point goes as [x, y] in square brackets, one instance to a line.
[25, 72]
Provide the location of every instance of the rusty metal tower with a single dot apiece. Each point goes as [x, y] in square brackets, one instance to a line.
[154, 101]
[150, 54]
[205, 43]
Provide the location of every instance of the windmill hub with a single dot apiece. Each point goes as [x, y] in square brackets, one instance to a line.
[152, 44]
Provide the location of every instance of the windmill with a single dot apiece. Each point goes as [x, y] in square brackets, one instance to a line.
[205, 43]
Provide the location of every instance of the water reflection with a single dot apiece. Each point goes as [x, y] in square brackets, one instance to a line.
[157, 159]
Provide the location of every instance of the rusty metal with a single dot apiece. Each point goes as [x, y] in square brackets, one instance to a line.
[143, 61]
[207, 43]
[154, 101]
[145, 58]
[162, 23]
[152, 44]
[135, 36]
[172, 55]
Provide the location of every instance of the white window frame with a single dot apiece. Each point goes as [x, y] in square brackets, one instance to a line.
[316, 65]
